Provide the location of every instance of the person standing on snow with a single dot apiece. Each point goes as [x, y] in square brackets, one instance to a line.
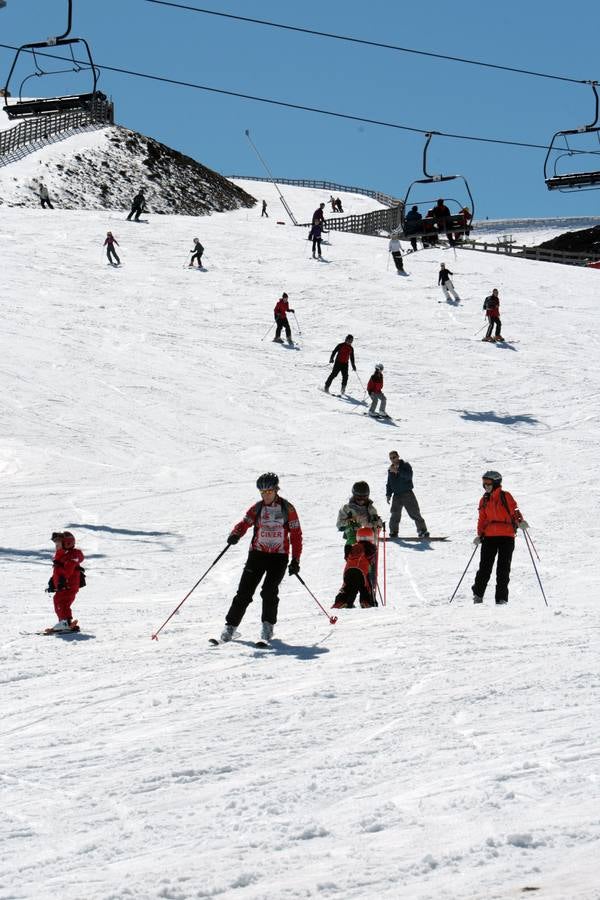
[282, 308]
[396, 251]
[338, 205]
[333, 203]
[196, 254]
[399, 489]
[315, 236]
[358, 511]
[275, 526]
[444, 278]
[138, 206]
[319, 216]
[109, 243]
[375, 392]
[497, 523]
[44, 196]
[491, 306]
[66, 578]
[342, 354]
[264, 210]
[357, 572]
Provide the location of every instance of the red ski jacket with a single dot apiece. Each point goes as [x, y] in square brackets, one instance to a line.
[342, 353]
[375, 383]
[360, 557]
[491, 305]
[275, 527]
[66, 566]
[499, 514]
[281, 308]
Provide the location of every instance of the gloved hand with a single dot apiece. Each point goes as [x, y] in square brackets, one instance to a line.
[50, 588]
[389, 499]
[233, 538]
[477, 540]
[294, 567]
[524, 524]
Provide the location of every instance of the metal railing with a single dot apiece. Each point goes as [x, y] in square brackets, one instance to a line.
[522, 251]
[385, 199]
[36, 132]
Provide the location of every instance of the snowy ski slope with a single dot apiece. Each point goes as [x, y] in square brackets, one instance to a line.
[417, 751]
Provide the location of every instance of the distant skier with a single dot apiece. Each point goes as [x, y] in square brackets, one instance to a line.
[357, 572]
[396, 250]
[44, 196]
[413, 224]
[375, 392]
[342, 354]
[275, 527]
[196, 254]
[333, 203]
[338, 205]
[264, 210]
[498, 520]
[399, 489]
[319, 216]
[358, 511]
[491, 306]
[111, 253]
[282, 308]
[66, 578]
[445, 279]
[315, 235]
[138, 206]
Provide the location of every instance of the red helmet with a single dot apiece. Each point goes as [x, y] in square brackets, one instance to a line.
[68, 540]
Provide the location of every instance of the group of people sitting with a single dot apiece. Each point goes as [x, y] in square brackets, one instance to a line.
[438, 220]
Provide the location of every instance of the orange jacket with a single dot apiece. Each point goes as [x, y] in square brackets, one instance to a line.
[495, 520]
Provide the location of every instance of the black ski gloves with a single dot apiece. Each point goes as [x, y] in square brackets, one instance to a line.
[294, 567]
[233, 538]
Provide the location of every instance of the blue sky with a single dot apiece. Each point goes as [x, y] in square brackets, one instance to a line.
[363, 81]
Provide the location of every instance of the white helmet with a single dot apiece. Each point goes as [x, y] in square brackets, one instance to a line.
[379, 366]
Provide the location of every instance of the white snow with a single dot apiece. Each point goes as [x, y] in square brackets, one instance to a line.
[417, 751]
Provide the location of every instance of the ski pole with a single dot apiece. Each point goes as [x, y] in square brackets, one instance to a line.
[267, 332]
[530, 539]
[360, 382]
[463, 574]
[384, 568]
[297, 325]
[480, 329]
[535, 568]
[332, 619]
[224, 550]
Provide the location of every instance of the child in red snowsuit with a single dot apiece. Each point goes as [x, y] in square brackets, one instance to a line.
[357, 573]
[66, 577]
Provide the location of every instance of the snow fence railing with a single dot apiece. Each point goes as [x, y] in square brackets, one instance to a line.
[385, 199]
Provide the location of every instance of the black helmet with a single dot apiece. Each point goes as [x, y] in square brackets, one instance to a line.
[267, 482]
[349, 337]
[360, 489]
[492, 475]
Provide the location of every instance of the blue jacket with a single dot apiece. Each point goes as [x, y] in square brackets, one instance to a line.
[400, 481]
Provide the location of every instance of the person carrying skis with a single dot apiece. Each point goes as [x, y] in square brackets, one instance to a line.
[275, 527]
[66, 578]
[358, 511]
[444, 278]
[342, 354]
[264, 210]
[109, 243]
[491, 306]
[44, 196]
[497, 523]
[399, 489]
[357, 572]
[396, 251]
[282, 308]
[375, 392]
[138, 206]
[196, 254]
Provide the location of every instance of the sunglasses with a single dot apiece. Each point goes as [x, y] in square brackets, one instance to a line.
[268, 491]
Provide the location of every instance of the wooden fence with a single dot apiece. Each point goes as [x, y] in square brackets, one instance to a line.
[522, 251]
[372, 223]
[40, 130]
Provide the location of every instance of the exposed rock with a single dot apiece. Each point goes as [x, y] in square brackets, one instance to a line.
[585, 241]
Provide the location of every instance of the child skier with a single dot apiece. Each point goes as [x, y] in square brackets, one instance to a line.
[446, 282]
[357, 572]
[491, 306]
[375, 392]
[196, 254]
[343, 354]
[497, 523]
[357, 512]
[109, 243]
[395, 249]
[66, 579]
[282, 308]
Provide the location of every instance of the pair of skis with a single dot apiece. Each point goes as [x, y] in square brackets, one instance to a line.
[260, 645]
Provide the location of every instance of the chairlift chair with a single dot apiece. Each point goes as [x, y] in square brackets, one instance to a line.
[21, 109]
[454, 225]
[573, 181]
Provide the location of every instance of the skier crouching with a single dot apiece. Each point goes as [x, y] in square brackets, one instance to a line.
[66, 578]
[357, 572]
[276, 526]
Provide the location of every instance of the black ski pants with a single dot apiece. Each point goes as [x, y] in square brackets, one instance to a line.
[337, 368]
[316, 246]
[490, 547]
[136, 212]
[111, 252]
[196, 256]
[285, 325]
[498, 325]
[398, 260]
[46, 202]
[273, 566]
[354, 583]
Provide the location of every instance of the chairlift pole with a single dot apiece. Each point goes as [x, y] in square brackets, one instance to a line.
[272, 179]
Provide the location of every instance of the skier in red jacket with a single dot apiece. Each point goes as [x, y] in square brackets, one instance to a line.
[375, 392]
[357, 572]
[282, 308]
[275, 526]
[66, 578]
[497, 523]
[343, 354]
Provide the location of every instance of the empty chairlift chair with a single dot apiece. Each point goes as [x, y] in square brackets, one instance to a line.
[557, 151]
